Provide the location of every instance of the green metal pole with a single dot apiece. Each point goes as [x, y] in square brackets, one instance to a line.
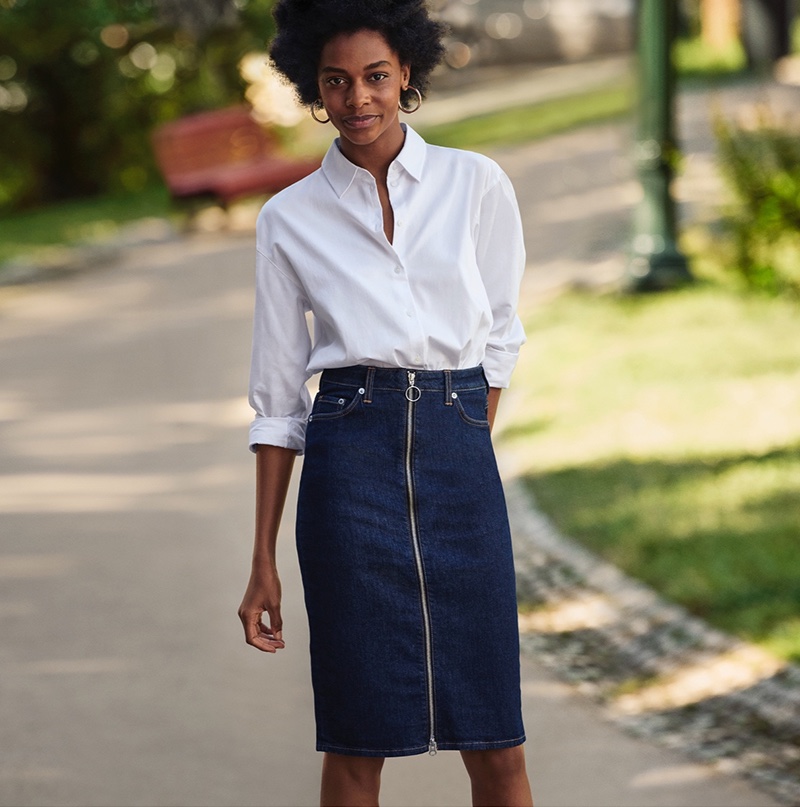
[656, 262]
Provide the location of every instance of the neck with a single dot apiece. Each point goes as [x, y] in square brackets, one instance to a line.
[375, 157]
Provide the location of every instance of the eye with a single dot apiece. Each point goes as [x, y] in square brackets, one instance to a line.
[335, 81]
[379, 76]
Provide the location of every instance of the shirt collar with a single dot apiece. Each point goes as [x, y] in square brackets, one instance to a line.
[341, 172]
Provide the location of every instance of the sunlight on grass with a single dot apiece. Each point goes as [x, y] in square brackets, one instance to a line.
[78, 220]
[664, 433]
[693, 58]
[521, 124]
[683, 372]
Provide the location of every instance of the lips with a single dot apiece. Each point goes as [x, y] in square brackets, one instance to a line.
[359, 121]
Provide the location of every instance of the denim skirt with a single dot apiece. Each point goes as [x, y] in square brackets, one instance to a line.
[408, 575]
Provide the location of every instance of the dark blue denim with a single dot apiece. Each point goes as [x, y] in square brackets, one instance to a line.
[405, 552]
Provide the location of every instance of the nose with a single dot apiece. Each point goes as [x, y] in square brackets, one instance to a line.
[359, 95]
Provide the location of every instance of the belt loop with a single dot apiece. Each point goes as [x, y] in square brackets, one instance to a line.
[368, 385]
[448, 398]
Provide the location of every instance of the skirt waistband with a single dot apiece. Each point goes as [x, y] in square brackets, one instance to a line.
[397, 378]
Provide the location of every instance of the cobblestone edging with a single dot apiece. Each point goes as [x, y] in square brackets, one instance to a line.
[659, 672]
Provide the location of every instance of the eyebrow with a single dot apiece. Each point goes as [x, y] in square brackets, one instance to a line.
[368, 67]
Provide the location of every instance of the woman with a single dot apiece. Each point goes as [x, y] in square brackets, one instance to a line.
[409, 258]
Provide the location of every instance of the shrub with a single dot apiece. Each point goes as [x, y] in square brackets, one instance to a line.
[762, 163]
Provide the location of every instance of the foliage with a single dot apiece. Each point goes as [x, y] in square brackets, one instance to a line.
[83, 83]
[762, 163]
[664, 432]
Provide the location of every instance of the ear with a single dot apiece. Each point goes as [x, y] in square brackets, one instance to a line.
[405, 76]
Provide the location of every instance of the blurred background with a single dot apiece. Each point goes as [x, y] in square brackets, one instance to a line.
[82, 88]
[660, 431]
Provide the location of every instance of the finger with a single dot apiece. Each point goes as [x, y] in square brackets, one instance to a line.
[275, 622]
[264, 640]
[266, 632]
[251, 621]
[257, 635]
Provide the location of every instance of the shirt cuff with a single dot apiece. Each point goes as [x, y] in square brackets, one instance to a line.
[282, 432]
[498, 365]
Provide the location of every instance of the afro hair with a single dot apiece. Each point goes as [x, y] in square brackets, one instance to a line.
[304, 26]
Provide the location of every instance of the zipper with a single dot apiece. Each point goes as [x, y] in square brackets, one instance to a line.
[413, 394]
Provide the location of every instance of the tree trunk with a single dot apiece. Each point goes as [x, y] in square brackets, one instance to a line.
[765, 31]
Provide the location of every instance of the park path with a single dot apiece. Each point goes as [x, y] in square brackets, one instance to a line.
[126, 501]
[125, 528]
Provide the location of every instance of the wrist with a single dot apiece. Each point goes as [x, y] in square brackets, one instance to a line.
[264, 564]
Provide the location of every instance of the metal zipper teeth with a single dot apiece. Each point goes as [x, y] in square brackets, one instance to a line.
[412, 512]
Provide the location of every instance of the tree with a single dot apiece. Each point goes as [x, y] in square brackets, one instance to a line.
[82, 84]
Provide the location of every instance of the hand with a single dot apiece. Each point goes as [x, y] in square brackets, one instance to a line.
[263, 594]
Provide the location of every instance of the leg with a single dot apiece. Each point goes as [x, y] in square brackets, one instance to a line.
[350, 781]
[498, 777]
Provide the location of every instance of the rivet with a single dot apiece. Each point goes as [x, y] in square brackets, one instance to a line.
[361, 390]
[454, 395]
[341, 401]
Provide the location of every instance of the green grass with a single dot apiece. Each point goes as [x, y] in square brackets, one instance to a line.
[78, 220]
[525, 123]
[694, 59]
[664, 433]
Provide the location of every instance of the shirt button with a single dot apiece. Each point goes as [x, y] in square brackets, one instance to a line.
[409, 314]
[417, 359]
[398, 270]
[399, 223]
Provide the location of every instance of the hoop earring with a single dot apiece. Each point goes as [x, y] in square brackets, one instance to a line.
[314, 107]
[413, 109]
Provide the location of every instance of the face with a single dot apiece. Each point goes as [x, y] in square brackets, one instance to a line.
[360, 79]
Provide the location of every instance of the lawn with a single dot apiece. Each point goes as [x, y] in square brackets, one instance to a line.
[533, 121]
[78, 220]
[663, 432]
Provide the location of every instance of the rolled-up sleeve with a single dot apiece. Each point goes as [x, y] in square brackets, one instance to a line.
[501, 260]
[281, 349]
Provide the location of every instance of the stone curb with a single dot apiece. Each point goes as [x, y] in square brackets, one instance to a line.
[658, 671]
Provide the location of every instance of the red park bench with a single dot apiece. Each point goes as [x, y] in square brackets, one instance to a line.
[223, 154]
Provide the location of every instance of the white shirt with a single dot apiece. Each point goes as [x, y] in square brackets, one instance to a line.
[443, 295]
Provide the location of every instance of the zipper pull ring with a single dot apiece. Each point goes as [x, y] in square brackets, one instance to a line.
[432, 747]
[413, 392]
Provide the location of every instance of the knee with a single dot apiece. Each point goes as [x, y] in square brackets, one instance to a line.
[502, 764]
[359, 771]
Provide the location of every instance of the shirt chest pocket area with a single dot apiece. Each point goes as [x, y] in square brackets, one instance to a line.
[337, 403]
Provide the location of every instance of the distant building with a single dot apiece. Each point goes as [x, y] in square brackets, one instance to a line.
[485, 32]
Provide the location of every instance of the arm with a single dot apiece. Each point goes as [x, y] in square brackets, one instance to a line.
[494, 399]
[500, 253]
[273, 472]
[278, 395]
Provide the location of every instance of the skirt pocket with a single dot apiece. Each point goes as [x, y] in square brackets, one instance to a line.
[337, 404]
[473, 407]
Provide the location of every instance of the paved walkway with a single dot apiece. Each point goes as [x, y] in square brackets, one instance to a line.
[125, 507]
[126, 501]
